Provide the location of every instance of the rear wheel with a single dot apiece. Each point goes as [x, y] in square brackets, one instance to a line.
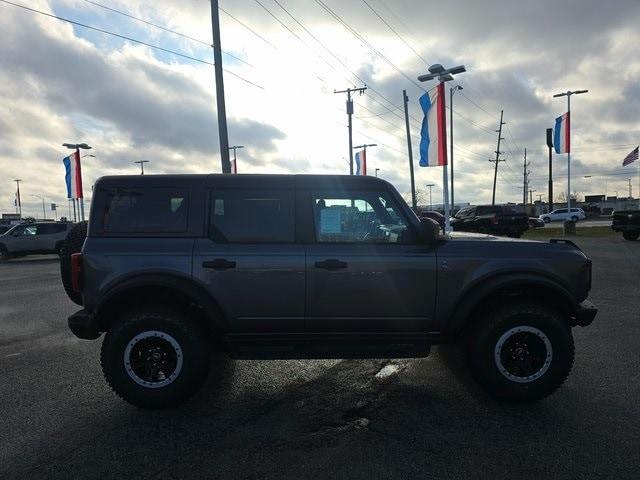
[574, 218]
[521, 352]
[155, 357]
[630, 235]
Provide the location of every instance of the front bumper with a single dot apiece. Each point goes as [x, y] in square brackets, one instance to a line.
[584, 314]
[83, 325]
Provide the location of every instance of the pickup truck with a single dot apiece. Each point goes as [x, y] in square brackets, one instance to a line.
[179, 270]
[491, 219]
[627, 222]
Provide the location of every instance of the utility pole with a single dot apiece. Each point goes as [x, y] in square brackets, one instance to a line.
[531, 196]
[539, 197]
[568, 127]
[430, 202]
[222, 111]
[18, 201]
[525, 182]
[349, 91]
[451, 90]
[141, 163]
[405, 99]
[234, 165]
[550, 146]
[497, 160]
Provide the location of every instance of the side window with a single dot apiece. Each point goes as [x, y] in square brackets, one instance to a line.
[50, 228]
[148, 210]
[252, 216]
[358, 217]
[25, 231]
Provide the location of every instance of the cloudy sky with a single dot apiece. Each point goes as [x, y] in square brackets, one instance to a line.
[64, 83]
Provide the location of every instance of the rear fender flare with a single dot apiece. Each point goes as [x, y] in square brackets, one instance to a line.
[181, 285]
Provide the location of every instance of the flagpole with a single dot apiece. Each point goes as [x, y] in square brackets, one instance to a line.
[569, 157]
[445, 167]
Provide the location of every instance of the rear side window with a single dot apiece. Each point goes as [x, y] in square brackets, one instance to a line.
[252, 216]
[148, 210]
[50, 228]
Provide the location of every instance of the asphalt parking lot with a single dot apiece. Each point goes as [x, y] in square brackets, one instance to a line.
[318, 419]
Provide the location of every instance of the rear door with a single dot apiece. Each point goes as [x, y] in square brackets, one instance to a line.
[365, 270]
[250, 261]
[48, 235]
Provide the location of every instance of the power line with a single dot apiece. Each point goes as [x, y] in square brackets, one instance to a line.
[240, 22]
[160, 27]
[394, 31]
[125, 37]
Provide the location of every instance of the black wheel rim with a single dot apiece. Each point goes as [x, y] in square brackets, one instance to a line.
[153, 359]
[523, 354]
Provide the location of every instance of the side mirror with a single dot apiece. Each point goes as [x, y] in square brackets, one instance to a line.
[429, 230]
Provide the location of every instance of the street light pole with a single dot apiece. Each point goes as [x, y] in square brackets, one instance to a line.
[443, 75]
[79, 193]
[451, 90]
[44, 212]
[377, 170]
[18, 201]
[568, 95]
[430, 202]
[364, 148]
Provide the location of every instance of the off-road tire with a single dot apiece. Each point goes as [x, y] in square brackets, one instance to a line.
[72, 244]
[194, 343]
[631, 236]
[483, 340]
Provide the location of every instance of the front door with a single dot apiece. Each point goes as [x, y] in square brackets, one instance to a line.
[250, 262]
[23, 239]
[366, 271]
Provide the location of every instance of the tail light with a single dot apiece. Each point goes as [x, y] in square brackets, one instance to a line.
[76, 272]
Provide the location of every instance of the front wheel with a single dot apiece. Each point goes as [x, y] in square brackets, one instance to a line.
[546, 220]
[574, 219]
[630, 235]
[155, 358]
[521, 352]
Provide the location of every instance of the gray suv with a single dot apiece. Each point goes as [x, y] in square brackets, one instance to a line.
[33, 238]
[179, 268]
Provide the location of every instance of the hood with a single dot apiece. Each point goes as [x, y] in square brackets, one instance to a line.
[481, 237]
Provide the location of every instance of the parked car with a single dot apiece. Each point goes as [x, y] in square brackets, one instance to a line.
[33, 238]
[177, 269]
[4, 228]
[492, 219]
[627, 222]
[562, 214]
[535, 222]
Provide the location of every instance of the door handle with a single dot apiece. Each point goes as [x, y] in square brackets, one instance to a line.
[219, 264]
[331, 264]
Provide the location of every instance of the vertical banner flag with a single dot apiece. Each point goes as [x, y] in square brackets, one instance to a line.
[361, 162]
[433, 141]
[73, 175]
[561, 132]
[632, 157]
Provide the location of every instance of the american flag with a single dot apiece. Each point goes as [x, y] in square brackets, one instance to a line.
[632, 157]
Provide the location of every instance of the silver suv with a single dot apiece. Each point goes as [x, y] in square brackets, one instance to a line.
[33, 238]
